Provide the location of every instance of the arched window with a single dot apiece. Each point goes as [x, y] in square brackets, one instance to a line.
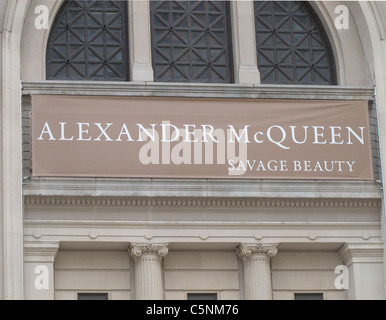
[88, 41]
[292, 47]
[191, 41]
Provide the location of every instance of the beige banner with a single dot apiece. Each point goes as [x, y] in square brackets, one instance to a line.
[146, 137]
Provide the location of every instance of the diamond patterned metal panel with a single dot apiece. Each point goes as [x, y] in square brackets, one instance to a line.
[292, 46]
[191, 41]
[88, 41]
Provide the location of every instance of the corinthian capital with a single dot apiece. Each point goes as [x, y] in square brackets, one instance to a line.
[139, 250]
[248, 250]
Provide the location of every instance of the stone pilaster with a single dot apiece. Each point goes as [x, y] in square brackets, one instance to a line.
[148, 270]
[140, 41]
[257, 270]
[244, 46]
[11, 195]
[364, 262]
[39, 258]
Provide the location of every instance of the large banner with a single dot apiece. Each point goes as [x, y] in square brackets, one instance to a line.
[95, 136]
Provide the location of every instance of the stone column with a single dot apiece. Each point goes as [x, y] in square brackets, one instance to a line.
[257, 270]
[244, 42]
[148, 270]
[39, 257]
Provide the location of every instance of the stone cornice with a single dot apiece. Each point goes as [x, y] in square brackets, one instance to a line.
[140, 249]
[201, 188]
[246, 251]
[257, 91]
[58, 201]
[257, 225]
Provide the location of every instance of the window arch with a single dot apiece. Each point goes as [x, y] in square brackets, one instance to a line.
[88, 41]
[191, 41]
[292, 46]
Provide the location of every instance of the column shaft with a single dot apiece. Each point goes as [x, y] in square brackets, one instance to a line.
[148, 278]
[258, 278]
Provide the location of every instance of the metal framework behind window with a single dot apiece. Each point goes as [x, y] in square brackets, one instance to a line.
[88, 41]
[292, 47]
[191, 41]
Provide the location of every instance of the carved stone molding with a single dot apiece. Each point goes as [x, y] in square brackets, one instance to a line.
[246, 251]
[210, 90]
[40, 251]
[204, 202]
[362, 253]
[157, 250]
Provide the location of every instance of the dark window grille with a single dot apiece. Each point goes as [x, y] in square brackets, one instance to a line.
[93, 296]
[292, 46]
[88, 41]
[309, 296]
[191, 41]
[202, 296]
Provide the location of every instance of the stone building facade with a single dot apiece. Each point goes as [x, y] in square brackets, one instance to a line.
[176, 238]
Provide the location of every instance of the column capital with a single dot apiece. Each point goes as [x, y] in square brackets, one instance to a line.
[371, 252]
[40, 251]
[247, 250]
[138, 250]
